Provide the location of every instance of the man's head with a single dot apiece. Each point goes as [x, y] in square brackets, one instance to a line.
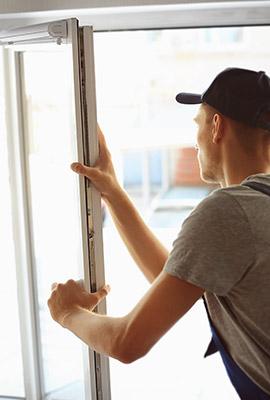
[234, 115]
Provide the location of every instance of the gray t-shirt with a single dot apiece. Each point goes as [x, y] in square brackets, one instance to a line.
[224, 248]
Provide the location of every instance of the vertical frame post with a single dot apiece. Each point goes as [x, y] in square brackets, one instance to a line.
[97, 382]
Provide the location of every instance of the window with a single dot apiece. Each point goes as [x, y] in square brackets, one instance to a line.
[54, 195]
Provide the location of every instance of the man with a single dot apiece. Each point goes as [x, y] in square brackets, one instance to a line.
[222, 252]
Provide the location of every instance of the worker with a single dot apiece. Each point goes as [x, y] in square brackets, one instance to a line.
[222, 252]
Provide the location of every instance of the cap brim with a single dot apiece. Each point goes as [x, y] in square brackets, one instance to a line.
[189, 98]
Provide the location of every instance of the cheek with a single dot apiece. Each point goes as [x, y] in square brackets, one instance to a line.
[200, 132]
[200, 140]
[203, 150]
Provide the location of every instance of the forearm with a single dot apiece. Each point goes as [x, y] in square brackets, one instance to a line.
[147, 251]
[103, 334]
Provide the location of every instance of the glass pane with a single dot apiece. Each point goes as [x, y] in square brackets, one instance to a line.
[152, 140]
[11, 368]
[54, 196]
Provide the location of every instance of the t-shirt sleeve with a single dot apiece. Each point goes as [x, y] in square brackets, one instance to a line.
[214, 248]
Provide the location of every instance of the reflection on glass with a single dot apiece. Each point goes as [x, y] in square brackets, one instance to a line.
[152, 140]
[11, 369]
[50, 149]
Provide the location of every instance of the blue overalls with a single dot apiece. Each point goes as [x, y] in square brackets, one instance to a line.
[245, 387]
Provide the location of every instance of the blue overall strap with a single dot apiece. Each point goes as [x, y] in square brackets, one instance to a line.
[244, 386]
[260, 187]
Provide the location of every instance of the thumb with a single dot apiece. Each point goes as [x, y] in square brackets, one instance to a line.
[81, 169]
[101, 293]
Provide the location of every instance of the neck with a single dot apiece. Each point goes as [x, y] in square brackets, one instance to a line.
[238, 165]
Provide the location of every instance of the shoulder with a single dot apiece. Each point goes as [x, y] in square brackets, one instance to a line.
[221, 203]
[214, 248]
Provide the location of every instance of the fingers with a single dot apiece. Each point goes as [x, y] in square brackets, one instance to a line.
[104, 152]
[69, 283]
[100, 133]
[99, 294]
[72, 294]
[101, 137]
[104, 155]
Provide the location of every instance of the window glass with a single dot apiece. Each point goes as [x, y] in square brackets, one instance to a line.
[152, 141]
[53, 191]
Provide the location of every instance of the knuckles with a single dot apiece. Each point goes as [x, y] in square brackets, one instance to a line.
[60, 287]
[70, 282]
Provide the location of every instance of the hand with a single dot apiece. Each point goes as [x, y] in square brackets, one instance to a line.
[102, 174]
[70, 297]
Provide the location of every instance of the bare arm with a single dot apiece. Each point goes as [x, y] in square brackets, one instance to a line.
[147, 251]
[132, 336]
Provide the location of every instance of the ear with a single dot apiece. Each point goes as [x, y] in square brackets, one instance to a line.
[217, 130]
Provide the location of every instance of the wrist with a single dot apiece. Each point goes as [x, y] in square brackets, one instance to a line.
[68, 317]
[113, 195]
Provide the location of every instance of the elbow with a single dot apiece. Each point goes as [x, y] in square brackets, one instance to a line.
[124, 358]
[128, 356]
[130, 348]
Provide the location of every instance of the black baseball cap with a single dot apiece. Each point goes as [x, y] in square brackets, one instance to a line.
[237, 93]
